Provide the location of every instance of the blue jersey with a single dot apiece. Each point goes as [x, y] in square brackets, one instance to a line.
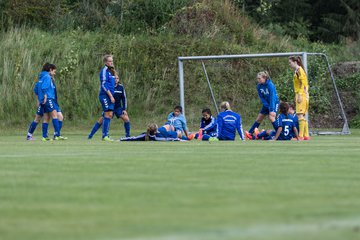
[178, 122]
[37, 88]
[268, 96]
[227, 124]
[287, 124]
[120, 97]
[55, 91]
[209, 126]
[46, 87]
[107, 82]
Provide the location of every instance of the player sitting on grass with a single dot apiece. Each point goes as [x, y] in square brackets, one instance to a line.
[284, 127]
[153, 133]
[178, 121]
[228, 122]
[208, 126]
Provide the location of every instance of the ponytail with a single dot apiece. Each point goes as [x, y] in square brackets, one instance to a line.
[298, 60]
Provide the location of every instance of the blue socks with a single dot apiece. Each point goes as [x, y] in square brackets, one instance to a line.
[105, 127]
[94, 130]
[55, 123]
[255, 125]
[32, 127]
[60, 126]
[127, 129]
[45, 127]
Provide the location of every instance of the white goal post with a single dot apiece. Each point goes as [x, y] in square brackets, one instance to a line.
[304, 55]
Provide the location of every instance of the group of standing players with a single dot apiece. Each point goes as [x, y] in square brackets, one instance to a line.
[287, 124]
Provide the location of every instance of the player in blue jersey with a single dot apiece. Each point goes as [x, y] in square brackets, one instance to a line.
[38, 116]
[153, 133]
[208, 126]
[40, 113]
[228, 122]
[120, 107]
[268, 96]
[284, 126]
[47, 97]
[106, 98]
[60, 116]
[178, 120]
[292, 112]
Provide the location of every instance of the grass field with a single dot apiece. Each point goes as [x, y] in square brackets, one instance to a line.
[79, 189]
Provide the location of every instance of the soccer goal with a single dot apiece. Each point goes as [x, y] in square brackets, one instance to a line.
[338, 112]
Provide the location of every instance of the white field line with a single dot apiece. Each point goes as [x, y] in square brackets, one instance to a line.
[271, 230]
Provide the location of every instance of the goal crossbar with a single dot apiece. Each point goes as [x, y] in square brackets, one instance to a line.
[181, 59]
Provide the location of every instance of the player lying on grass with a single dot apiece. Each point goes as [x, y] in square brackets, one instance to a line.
[153, 133]
[284, 126]
[208, 126]
[228, 122]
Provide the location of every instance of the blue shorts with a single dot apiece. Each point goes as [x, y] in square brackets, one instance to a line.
[266, 111]
[58, 109]
[118, 112]
[166, 134]
[40, 110]
[106, 103]
[50, 106]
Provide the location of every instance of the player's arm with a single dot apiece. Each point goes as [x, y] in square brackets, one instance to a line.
[210, 125]
[105, 87]
[278, 132]
[296, 133]
[184, 125]
[124, 101]
[240, 129]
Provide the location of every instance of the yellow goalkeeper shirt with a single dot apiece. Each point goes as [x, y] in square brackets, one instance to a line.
[301, 84]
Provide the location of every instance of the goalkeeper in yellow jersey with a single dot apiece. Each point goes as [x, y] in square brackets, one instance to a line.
[301, 88]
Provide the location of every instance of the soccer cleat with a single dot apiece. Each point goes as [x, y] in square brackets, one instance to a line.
[107, 139]
[200, 134]
[46, 139]
[60, 138]
[30, 138]
[89, 137]
[248, 135]
[191, 136]
[213, 139]
[306, 138]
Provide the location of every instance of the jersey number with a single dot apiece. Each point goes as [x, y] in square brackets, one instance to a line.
[286, 130]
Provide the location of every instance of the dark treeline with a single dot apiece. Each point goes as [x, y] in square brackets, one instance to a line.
[324, 20]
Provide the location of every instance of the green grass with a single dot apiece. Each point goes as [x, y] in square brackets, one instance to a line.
[79, 189]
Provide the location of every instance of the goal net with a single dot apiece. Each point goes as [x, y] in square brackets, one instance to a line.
[205, 81]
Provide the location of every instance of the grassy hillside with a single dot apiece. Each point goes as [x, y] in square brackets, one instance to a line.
[148, 65]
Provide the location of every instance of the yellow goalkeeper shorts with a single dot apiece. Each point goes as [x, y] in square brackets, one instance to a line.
[303, 106]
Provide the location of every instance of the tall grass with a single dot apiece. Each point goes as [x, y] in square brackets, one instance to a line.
[148, 67]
